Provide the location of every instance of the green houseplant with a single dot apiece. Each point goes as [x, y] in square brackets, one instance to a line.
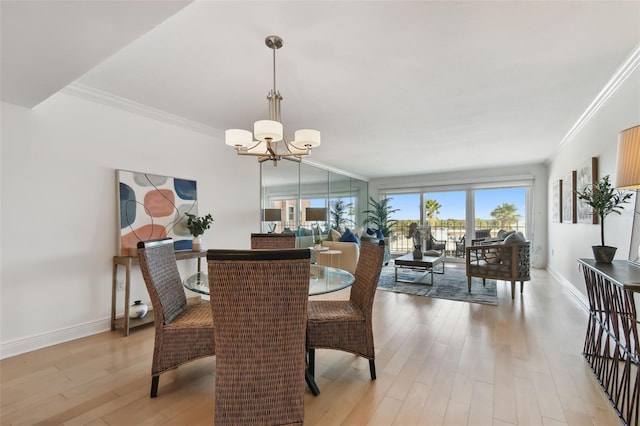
[378, 215]
[197, 225]
[338, 211]
[604, 199]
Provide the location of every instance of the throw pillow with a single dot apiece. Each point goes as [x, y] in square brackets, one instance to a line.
[432, 253]
[335, 235]
[371, 231]
[369, 238]
[379, 234]
[517, 237]
[349, 237]
[491, 256]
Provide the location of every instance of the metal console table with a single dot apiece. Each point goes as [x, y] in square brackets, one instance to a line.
[124, 321]
[611, 341]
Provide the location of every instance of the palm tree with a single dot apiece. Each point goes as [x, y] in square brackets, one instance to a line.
[378, 215]
[338, 210]
[505, 212]
[432, 208]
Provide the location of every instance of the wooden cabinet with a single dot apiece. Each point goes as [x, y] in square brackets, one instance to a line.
[124, 321]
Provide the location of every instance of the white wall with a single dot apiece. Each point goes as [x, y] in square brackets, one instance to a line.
[598, 138]
[59, 224]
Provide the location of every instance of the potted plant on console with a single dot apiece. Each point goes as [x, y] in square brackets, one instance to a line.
[197, 225]
[604, 199]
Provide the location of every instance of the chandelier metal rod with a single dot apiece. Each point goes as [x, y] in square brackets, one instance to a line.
[267, 150]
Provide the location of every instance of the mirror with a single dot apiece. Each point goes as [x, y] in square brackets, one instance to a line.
[634, 249]
[293, 187]
[280, 188]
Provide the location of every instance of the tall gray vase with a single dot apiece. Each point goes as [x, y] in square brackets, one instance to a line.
[417, 252]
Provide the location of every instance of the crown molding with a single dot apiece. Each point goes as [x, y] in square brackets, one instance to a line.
[95, 95]
[334, 170]
[618, 78]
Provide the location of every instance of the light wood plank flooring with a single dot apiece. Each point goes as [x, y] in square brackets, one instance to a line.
[439, 363]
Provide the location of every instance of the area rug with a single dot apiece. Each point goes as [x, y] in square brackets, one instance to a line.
[451, 285]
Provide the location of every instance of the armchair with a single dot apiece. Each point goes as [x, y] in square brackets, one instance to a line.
[508, 262]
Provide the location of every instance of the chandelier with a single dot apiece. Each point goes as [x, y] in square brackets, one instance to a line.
[271, 143]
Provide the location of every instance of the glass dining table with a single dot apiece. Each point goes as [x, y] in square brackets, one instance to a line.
[322, 280]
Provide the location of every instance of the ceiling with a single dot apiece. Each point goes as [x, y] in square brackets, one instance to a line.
[395, 87]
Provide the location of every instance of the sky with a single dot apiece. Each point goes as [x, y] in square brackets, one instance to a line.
[453, 203]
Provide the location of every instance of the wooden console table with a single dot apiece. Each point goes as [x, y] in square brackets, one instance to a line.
[124, 321]
[611, 341]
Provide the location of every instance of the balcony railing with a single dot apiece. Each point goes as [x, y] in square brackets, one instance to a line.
[449, 234]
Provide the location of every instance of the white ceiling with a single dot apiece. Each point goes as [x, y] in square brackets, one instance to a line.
[395, 87]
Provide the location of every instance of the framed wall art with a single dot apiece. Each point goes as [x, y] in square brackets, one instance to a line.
[153, 206]
[556, 201]
[569, 198]
[587, 174]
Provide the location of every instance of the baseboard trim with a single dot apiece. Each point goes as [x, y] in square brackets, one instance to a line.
[32, 343]
[577, 296]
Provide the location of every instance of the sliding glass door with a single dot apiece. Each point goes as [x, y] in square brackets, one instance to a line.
[453, 219]
[499, 209]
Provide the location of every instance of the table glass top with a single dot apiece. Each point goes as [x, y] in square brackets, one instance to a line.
[323, 279]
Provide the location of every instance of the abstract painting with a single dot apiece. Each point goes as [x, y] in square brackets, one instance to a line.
[587, 175]
[569, 198]
[153, 206]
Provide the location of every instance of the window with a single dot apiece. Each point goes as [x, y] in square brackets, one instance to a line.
[452, 213]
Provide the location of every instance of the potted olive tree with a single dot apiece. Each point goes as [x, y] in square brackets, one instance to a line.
[604, 199]
[197, 225]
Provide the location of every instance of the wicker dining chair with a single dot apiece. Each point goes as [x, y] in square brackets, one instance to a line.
[183, 332]
[259, 303]
[346, 324]
[273, 241]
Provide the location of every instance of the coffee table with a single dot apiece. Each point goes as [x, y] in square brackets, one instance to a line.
[426, 265]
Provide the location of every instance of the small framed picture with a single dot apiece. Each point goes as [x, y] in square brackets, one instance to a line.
[556, 201]
[569, 198]
[587, 175]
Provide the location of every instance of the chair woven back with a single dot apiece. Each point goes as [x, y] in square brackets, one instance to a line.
[259, 305]
[184, 332]
[161, 276]
[347, 325]
[367, 276]
[273, 241]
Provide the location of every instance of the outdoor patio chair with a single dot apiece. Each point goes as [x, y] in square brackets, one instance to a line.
[273, 241]
[183, 332]
[433, 244]
[460, 246]
[259, 302]
[345, 325]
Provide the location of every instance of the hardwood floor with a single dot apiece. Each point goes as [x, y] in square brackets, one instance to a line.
[438, 362]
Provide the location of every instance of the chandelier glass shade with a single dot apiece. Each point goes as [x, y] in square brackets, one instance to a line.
[268, 141]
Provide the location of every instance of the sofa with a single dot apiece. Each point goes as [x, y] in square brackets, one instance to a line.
[351, 251]
[348, 258]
